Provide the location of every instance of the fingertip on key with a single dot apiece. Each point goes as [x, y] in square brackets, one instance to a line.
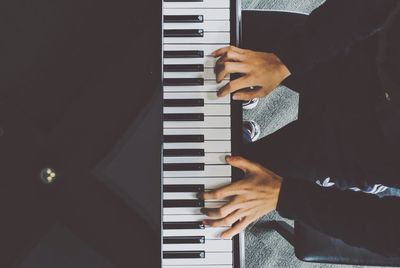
[224, 236]
[200, 196]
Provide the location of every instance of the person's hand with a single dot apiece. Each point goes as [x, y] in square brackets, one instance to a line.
[250, 198]
[261, 71]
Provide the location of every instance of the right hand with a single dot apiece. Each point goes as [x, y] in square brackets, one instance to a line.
[262, 71]
[252, 197]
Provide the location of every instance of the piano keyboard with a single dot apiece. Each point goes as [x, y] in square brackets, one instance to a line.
[197, 131]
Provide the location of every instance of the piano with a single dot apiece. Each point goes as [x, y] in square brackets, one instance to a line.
[199, 129]
[117, 100]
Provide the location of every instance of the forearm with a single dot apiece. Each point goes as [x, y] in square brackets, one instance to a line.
[358, 219]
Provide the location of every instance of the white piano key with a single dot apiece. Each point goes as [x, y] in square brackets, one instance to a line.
[209, 171]
[208, 159]
[207, 26]
[171, 195]
[207, 13]
[208, 232]
[209, 183]
[209, 86]
[200, 266]
[207, 48]
[183, 218]
[209, 133]
[190, 210]
[208, 146]
[207, 38]
[210, 109]
[204, 4]
[209, 97]
[188, 195]
[209, 245]
[209, 122]
[211, 258]
[208, 62]
[207, 74]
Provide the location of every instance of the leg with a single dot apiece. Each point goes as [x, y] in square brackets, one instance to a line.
[289, 152]
[336, 130]
[285, 150]
[265, 30]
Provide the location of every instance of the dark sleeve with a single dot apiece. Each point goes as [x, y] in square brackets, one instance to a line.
[331, 29]
[359, 219]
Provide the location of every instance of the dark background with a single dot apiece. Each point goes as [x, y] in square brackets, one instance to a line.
[80, 92]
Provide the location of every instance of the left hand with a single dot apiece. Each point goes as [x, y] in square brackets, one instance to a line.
[250, 198]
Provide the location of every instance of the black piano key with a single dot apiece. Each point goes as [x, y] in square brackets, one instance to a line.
[181, 203]
[184, 167]
[183, 82]
[184, 254]
[184, 240]
[183, 138]
[184, 33]
[183, 68]
[188, 225]
[183, 102]
[184, 117]
[184, 188]
[183, 18]
[184, 54]
[183, 152]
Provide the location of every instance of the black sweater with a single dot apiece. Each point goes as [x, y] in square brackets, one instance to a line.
[359, 219]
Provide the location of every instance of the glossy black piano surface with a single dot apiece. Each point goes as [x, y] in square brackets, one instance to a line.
[80, 94]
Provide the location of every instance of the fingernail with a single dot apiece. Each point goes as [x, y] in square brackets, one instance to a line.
[228, 157]
[235, 97]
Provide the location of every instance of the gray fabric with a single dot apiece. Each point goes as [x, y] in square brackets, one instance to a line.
[275, 111]
[265, 248]
[305, 6]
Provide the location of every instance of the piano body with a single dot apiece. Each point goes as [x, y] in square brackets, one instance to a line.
[199, 130]
[119, 100]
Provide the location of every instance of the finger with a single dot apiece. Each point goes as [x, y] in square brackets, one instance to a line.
[235, 85]
[231, 56]
[223, 69]
[222, 51]
[224, 210]
[227, 221]
[240, 163]
[237, 228]
[223, 192]
[249, 94]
